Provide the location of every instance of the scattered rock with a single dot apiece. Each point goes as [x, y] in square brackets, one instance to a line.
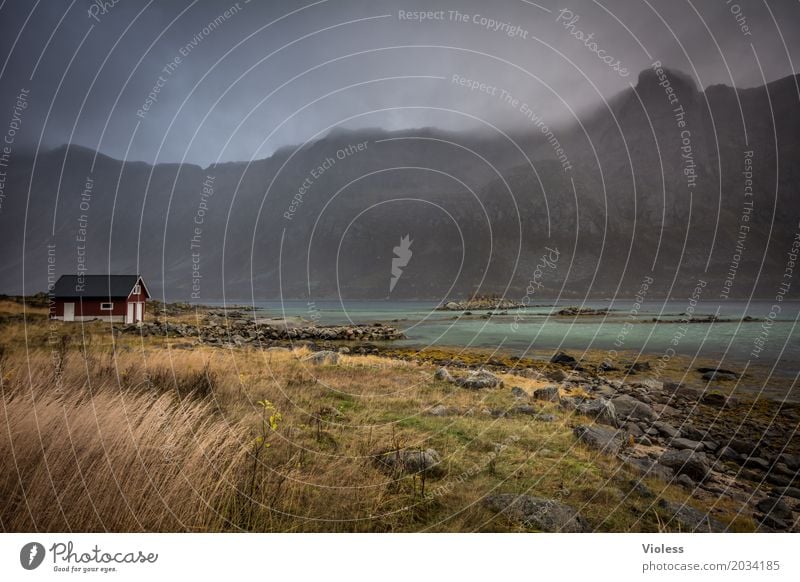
[793, 492]
[549, 393]
[641, 489]
[524, 409]
[778, 480]
[564, 359]
[606, 366]
[690, 432]
[531, 374]
[479, 379]
[666, 429]
[756, 463]
[647, 467]
[410, 461]
[547, 515]
[604, 439]
[742, 446]
[443, 375]
[716, 399]
[682, 443]
[682, 392]
[686, 482]
[691, 519]
[556, 375]
[771, 522]
[687, 462]
[324, 357]
[776, 508]
[720, 376]
[518, 392]
[442, 410]
[629, 408]
[639, 367]
[791, 461]
[603, 411]
[570, 402]
[632, 429]
[728, 454]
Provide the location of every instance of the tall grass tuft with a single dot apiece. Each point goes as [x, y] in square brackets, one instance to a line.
[101, 459]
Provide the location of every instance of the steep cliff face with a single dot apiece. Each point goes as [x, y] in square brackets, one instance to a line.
[656, 186]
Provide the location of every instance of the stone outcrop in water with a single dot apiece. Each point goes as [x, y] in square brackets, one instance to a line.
[480, 303]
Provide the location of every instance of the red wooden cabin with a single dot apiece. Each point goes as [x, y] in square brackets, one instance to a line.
[120, 298]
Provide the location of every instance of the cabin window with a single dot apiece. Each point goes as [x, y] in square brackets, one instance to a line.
[137, 289]
[106, 306]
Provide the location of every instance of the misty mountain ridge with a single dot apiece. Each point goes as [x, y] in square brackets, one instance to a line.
[321, 220]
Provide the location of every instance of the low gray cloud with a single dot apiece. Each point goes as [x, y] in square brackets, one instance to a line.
[214, 80]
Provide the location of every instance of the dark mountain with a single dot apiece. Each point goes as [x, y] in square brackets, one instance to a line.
[647, 192]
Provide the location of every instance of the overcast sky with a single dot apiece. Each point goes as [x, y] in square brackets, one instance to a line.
[267, 74]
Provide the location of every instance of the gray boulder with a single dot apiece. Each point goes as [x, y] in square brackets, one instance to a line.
[598, 437]
[665, 429]
[518, 392]
[793, 492]
[728, 454]
[442, 410]
[717, 400]
[443, 375]
[647, 467]
[629, 408]
[410, 462]
[549, 393]
[538, 513]
[570, 402]
[323, 357]
[633, 429]
[524, 409]
[756, 463]
[556, 375]
[682, 443]
[603, 411]
[776, 508]
[686, 461]
[690, 519]
[478, 380]
[791, 461]
[563, 358]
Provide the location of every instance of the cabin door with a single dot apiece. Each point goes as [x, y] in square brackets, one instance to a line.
[69, 312]
[129, 316]
[139, 312]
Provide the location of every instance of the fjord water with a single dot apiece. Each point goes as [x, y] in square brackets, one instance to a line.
[730, 340]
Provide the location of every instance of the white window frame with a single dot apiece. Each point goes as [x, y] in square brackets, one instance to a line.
[104, 308]
[137, 289]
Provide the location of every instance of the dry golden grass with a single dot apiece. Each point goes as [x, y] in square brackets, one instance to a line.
[135, 434]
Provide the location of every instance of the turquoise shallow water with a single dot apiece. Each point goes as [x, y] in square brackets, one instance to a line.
[536, 329]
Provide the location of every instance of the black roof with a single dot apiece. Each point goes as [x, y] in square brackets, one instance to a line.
[96, 285]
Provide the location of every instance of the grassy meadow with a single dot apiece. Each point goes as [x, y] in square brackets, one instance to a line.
[104, 432]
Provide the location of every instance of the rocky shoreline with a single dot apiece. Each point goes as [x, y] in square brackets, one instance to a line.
[237, 330]
[720, 448]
